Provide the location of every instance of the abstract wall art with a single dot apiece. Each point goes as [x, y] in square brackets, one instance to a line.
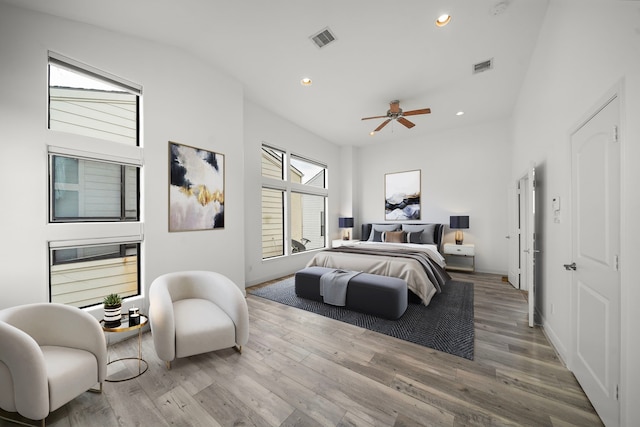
[402, 196]
[196, 188]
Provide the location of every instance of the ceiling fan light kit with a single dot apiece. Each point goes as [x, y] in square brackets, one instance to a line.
[396, 113]
[443, 20]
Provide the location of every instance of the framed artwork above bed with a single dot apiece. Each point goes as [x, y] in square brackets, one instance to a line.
[402, 195]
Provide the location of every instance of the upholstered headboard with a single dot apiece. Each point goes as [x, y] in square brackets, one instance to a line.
[438, 232]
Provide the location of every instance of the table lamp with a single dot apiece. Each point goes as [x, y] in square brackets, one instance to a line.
[345, 222]
[458, 223]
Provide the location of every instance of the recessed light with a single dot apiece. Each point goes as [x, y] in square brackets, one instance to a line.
[459, 113]
[443, 20]
[306, 82]
[373, 132]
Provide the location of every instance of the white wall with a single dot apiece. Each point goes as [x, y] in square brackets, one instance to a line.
[464, 172]
[584, 50]
[184, 100]
[347, 184]
[262, 126]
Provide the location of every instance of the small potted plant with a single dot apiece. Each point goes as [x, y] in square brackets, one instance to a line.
[112, 310]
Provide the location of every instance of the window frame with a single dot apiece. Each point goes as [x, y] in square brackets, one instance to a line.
[284, 218]
[74, 66]
[123, 192]
[84, 232]
[288, 187]
[83, 244]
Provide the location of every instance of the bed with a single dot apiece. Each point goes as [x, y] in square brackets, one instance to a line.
[408, 251]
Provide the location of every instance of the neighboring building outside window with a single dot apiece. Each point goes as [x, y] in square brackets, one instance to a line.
[293, 204]
[95, 163]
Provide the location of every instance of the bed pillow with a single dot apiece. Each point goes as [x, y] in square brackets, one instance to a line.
[395, 237]
[426, 232]
[380, 228]
[377, 236]
[414, 237]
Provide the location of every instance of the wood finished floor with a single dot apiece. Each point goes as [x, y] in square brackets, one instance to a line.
[301, 369]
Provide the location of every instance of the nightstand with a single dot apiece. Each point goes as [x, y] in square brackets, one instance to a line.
[340, 242]
[460, 257]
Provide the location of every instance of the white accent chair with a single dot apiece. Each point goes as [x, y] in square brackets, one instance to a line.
[194, 312]
[49, 355]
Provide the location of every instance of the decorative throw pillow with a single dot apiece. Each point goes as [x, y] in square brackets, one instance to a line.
[376, 236]
[395, 237]
[428, 231]
[381, 228]
[414, 237]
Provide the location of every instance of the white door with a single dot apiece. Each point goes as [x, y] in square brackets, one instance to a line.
[514, 236]
[530, 239]
[595, 203]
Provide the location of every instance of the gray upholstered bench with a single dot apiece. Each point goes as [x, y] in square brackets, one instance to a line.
[368, 293]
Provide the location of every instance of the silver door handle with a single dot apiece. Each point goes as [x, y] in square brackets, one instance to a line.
[570, 267]
[526, 251]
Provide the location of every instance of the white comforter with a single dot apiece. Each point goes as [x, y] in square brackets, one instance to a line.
[431, 250]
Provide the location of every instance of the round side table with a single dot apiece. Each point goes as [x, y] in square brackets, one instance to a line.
[125, 327]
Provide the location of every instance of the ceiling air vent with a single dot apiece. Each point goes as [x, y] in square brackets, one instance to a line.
[323, 38]
[483, 66]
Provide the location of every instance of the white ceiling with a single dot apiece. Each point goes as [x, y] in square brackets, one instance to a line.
[385, 50]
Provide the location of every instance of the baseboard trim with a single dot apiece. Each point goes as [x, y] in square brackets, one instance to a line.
[556, 344]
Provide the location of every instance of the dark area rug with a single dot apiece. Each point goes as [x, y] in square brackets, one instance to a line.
[446, 324]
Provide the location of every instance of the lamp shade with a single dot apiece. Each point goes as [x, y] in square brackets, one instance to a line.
[345, 222]
[458, 222]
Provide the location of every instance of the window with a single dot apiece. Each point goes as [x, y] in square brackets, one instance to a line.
[82, 274]
[87, 190]
[308, 211]
[272, 163]
[293, 204]
[272, 223]
[95, 165]
[307, 172]
[89, 102]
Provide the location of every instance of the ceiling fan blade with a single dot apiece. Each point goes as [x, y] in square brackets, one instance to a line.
[382, 125]
[406, 122]
[394, 107]
[374, 117]
[416, 112]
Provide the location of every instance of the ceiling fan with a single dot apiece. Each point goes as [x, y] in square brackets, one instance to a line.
[396, 113]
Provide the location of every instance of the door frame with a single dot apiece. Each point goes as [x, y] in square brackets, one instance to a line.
[513, 234]
[524, 222]
[525, 233]
[617, 91]
[523, 229]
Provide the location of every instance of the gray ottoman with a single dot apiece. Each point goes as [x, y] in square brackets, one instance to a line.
[368, 293]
